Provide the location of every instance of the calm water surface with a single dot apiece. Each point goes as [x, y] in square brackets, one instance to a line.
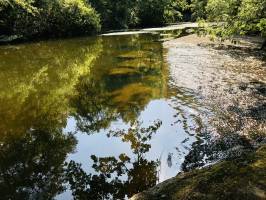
[93, 118]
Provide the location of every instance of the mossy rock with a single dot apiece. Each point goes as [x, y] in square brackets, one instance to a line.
[241, 178]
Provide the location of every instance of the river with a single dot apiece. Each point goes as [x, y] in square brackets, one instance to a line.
[109, 116]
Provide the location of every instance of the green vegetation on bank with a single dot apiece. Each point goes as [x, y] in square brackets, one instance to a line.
[57, 18]
[29, 19]
[47, 18]
[237, 17]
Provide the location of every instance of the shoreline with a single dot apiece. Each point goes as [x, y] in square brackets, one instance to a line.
[15, 39]
[243, 176]
[225, 178]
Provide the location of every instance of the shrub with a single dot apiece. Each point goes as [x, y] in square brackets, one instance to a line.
[47, 18]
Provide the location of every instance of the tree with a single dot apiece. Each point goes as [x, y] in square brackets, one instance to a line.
[237, 17]
[198, 9]
[160, 12]
[42, 18]
[116, 13]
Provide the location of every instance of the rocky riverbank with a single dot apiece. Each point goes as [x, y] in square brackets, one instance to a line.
[230, 79]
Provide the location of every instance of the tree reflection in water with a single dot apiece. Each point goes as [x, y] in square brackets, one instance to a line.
[124, 79]
[36, 80]
[99, 82]
[119, 177]
[127, 75]
[32, 165]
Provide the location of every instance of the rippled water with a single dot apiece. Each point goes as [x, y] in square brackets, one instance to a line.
[110, 116]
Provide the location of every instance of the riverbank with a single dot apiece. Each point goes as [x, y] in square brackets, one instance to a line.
[230, 78]
[241, 178]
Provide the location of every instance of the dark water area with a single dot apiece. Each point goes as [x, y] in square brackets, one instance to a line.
[97, 118]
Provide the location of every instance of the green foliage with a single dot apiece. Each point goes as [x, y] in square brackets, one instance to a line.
[131, 13]
[236, 17]
[151, 12]
[262, 26]
[252, 16]
[42, 18]
[52, 18]
[31, 18]
[198, 9]
[116, 13]
[160, 12]
[221, 10]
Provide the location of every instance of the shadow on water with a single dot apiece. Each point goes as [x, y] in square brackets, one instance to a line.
[236, 98]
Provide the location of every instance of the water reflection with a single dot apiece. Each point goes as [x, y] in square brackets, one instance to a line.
[32, 164]
[37, 79]
[68, 95]
[99, 118]
[35, 83]
[124, 82]
[117, 177]
[125, 78]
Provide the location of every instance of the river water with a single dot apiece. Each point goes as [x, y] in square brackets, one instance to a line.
[109, 116]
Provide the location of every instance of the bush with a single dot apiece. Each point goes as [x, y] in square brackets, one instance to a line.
[47, 18]
[238, 17]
